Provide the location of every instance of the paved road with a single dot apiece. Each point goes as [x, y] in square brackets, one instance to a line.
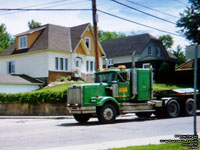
[66, 134]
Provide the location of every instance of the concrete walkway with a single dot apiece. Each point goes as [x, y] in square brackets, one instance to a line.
[116, 144]
[36, 117]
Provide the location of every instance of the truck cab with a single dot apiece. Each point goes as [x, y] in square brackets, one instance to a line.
[114, 92]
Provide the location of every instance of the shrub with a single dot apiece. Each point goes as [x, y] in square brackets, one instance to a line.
[35, 97]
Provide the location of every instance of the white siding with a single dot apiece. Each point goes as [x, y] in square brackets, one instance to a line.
[17, 88]
[38, 64]
[34, 65]
[53, 55]
[123, 59]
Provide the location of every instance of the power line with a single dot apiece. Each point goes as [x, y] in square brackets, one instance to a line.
[152, 9]
[138, 23]
[46, 6]
[181, 2]
[41, 9]
[41, 4]
[144, 12]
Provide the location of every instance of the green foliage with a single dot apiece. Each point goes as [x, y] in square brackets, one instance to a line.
[5, 38]
[179, 54]
[35, 97]
[62, 79]
[190, 22]
[102, 35]
[33, 24]
[55, 94]
[167, 41]
[165, 73]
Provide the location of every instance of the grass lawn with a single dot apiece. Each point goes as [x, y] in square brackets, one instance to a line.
[156, 87]
[162, 86]
[168, 146]
[59, 87]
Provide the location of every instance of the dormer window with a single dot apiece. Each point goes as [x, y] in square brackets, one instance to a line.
[22, 42]
[157, 51]
[149, 51]
[88, 42]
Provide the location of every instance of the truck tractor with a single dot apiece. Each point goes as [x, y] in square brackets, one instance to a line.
[120, 91]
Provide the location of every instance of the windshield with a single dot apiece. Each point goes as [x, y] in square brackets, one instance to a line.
[104, 77]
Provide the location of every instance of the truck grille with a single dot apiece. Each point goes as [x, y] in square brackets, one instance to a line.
[74, 96]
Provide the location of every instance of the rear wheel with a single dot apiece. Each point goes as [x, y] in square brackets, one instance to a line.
[189, 107]
[107, 113]
[173, 109]
[82, 118]
[143, 114]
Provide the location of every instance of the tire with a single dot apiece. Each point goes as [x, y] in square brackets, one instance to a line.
[107, 114]
[143, 114]
[82, 118]
[189, 106]
[173, 109]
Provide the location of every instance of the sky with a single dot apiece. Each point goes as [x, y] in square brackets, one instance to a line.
[16, 22]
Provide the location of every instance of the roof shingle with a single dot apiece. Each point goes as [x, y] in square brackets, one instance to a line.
[126, 45]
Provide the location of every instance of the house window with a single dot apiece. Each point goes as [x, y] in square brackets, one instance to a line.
[149, 50]
[56, 63]
[147, 65]
[87, 66]
[22, 42]
[110, 62]
[88, 42]
[91, 66]
[61, 63]
[11, 67]
[66, 64]
[157, 51]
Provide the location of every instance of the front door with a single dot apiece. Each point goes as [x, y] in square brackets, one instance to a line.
[78, 66]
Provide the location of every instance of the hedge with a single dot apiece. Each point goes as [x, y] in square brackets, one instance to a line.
[35, 97]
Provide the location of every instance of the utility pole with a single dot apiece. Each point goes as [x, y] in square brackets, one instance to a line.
[195, 89]
[94, 15]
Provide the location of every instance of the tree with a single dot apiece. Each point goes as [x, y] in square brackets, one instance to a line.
[33, 24]
[167, 41]
[5, 38]
[190, 22]
[102, 35]
[179, 54]
[165, 74]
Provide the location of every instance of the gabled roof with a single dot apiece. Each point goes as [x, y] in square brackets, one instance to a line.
[126, 45]
[52, 37]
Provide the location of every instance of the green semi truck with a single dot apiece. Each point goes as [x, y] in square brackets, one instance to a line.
[120, 91]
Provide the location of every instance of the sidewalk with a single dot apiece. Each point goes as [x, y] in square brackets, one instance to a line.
[116, 144]
[37, 117]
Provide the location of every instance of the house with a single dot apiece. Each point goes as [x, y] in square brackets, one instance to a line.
[186, 70]
[149, 52]
[18, 84]
[51, 51]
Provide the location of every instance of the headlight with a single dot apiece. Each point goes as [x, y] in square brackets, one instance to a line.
[93, 100]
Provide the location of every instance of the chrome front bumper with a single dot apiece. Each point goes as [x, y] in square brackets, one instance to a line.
[82, 110]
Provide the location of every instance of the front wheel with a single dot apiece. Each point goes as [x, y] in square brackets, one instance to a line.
[173, 109]
[107, 113]
[82, 118]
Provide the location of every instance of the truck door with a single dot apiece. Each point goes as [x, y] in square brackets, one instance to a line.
[123, 86]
